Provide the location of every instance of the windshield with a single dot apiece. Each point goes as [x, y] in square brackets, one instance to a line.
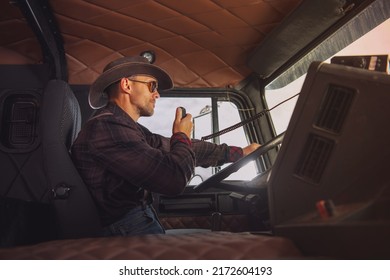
[375, 42]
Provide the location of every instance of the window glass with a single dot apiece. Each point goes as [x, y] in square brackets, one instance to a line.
[201, 111]
[281, 115]
[235, 137]
[164, 114]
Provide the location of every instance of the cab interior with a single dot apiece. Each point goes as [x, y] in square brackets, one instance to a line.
[223, 56]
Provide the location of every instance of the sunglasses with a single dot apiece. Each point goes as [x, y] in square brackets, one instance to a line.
[152, 85]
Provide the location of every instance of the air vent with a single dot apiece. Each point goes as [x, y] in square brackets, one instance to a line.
[314, 158]
[334, 108]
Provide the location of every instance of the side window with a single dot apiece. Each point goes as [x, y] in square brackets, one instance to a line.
[202, 113]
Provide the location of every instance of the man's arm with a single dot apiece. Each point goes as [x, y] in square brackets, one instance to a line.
[207, 154]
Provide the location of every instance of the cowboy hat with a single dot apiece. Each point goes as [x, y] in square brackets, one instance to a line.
[121, 68]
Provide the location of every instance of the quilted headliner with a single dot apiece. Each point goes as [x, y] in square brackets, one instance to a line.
[205, 44]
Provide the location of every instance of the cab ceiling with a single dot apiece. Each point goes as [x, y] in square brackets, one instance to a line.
[201, 43]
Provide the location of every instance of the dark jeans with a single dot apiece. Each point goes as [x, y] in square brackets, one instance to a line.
[138, 221]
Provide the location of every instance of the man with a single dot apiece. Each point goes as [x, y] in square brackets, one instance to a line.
[122, 162]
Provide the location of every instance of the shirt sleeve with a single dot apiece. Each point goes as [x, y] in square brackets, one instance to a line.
[208, 154]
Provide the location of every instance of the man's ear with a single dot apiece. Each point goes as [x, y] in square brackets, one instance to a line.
[125, 85]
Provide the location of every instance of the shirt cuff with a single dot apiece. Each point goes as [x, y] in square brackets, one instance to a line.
[181, 137]
[234, 154]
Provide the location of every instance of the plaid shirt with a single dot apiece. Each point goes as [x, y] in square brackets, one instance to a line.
[118, 159]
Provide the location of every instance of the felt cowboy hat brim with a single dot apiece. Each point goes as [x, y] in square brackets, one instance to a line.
[122, 68]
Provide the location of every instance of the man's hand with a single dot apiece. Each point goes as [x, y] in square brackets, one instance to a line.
[182, 125]
[251, 148]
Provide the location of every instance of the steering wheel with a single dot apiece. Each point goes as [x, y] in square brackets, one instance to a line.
[218, 177]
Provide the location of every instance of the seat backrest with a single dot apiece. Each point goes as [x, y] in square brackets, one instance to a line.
[75, 211]
[42, 195]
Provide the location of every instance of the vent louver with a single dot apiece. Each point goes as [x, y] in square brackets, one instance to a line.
[314, 158]
[334, 108]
